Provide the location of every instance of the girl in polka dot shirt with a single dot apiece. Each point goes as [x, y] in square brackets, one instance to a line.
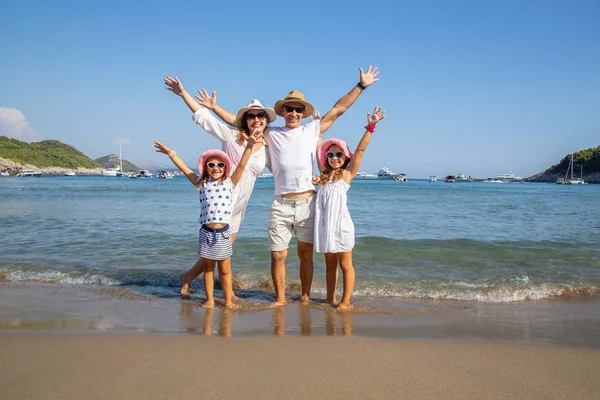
[215, 184]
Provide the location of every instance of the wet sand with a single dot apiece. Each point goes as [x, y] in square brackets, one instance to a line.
[92, 366]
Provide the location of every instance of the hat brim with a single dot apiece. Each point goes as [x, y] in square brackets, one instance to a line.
[322, 153]
[308, 108]
[215, 153]
[240, 114]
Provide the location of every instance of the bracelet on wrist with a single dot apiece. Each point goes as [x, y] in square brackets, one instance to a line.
[172, 154]
[360, 85]
[370, 128]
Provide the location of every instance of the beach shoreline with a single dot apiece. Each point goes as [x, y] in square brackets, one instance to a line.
[65, 366]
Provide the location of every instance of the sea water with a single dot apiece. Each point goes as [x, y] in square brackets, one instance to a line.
[473, 243]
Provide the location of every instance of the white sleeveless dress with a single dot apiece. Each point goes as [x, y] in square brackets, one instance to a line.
[334, 229]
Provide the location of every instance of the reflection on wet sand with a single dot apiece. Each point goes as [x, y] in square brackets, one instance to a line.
[195, 319]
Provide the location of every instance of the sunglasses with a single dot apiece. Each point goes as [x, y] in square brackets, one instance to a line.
[212, 164]
[290, 109]
[338, 154]
[260, 115]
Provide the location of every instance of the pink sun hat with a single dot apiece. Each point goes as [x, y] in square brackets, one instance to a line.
[215, 153]
[324, 148]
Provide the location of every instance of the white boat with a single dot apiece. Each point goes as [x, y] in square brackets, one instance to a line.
[164, 175]
[29, 172]
[264, 175]
[70, 173]
[571, 181]
[432, 178]
[400, 178]
[364, 176]
[142, 173]
[111, 171]
[510, 177]
[386, 173]
[4, 173]
[463, 178]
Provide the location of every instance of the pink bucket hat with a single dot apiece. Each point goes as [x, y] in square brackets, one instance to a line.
[324, 147]
[220, 155]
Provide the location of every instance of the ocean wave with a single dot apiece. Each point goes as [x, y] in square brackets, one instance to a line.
[518, 289]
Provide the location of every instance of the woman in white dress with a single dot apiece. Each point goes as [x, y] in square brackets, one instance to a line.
[334, 229]
[253, 118]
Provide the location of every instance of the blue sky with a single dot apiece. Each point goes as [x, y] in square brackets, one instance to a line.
[478, 87]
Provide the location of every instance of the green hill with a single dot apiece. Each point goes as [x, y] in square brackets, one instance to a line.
[588, 158]
[47, 153]
[112, 161]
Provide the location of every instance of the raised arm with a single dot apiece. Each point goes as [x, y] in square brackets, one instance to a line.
[256, 139]
[191, 175]
[210, 102]
[372, 120]
[366, 79]
[175, 86]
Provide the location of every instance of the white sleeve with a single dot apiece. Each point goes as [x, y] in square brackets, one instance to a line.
[315, 127]
[212, 125]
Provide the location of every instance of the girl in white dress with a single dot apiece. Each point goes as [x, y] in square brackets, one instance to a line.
[334, 229]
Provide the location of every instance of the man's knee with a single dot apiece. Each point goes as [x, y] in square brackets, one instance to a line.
[305, 251]
[278, 257]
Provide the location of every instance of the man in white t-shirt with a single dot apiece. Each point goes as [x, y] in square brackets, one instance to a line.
[292, 151]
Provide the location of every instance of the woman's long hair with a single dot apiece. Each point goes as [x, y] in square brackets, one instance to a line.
[327, 173]
[243, 131]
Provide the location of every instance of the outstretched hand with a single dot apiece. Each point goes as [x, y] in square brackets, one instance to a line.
[370, 77]
[255, 139]
[174, 85]
[378, 115]
[205, 100]
[161, 148]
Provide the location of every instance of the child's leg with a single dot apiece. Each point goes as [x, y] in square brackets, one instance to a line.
[331, 275]
[187, 277]
[348, 277]
[225, 275]
[209, 282]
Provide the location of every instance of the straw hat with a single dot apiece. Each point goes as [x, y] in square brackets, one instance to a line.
[254, 104]
[294, 97]
[215, 153]
[324, 148]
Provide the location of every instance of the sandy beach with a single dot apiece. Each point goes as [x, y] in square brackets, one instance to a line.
[90, 366]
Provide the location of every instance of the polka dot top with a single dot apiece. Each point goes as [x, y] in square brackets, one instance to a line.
[215, 202]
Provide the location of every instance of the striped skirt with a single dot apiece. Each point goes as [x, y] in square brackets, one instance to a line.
[215, 244]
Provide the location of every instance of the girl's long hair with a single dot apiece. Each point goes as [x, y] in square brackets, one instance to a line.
[327, 173]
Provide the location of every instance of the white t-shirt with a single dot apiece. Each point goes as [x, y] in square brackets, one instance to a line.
[292, 153]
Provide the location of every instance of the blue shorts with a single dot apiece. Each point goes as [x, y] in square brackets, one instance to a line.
[215, 244]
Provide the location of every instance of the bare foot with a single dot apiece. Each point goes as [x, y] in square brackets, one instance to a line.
[230, 305]
[344, 307]
[278, 303]
[208, 304]
[305, 300]
[185, 286]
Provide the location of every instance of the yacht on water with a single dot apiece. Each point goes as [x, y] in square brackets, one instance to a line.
[400, 177]
[111, 171]
[571, 181]
[432, 178]
[164, 175]
[463, 178]
[386, 173]
[510, 177]
[4, 173]
[69, 173]
[29, 172]
[364, 176]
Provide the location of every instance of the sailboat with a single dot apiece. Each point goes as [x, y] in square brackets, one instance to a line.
[571, 181]
[121, 173]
